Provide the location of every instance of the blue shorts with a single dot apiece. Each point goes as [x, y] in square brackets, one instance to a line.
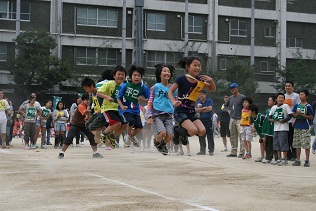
[132, 120]
[181, 117]
[60, 127]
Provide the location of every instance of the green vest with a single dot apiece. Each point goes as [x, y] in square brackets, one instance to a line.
[278, 114]
[303, 110]
[132, 92]
[45, 112]
[30, 114]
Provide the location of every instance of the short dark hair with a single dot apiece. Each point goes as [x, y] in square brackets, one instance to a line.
[290, 82]
[85, 96]
[57, 108]
[107, 75]
[87, 82]
[253, 108]
[305, 91]
[134, 68]
[119, 69]
[249, 99]
[280, 93]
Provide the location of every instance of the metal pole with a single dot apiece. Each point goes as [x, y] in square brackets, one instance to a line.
[17, 23]
[139, 4]
[252, 48]
[124, 34]
[186, 27]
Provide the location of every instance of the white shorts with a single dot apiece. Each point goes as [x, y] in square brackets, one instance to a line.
[3, 126]
[246, 133]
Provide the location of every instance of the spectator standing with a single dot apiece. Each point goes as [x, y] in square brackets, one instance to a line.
[235, 106]
[223, 117]
[204, 107]
[4, 109]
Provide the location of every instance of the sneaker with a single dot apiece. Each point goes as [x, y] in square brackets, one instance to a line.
[55, 147]
[241, 155]
[161, 148]
[224, 150]
[49, 143]
[112, 140]
[103, 139]
[82, 143]
[293, 159]
[77, 145]
[43, 147]
[296, 163]
[97, 155]
[265, 161]
[274, 161]
[135, 141]
[26, 147]
[189, 153]
[180, 153]
[127, 140]
[313, 151]
[259, 159]
[282, 163]
[307, 163]
[231, 156]
[201, 153]
[61, 155]
[33, 146]
[211, 153]
[164, 150]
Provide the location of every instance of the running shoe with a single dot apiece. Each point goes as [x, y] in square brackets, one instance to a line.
[27, 147]
[135, 141]
[112, 139]
[43, 147]
[127, 140]
[97, 155]
[61, 155]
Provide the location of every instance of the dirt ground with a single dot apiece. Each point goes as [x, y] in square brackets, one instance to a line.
[141, 180]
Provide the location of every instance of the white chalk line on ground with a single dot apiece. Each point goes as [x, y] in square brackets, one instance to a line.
[247, 170]
[154, 193]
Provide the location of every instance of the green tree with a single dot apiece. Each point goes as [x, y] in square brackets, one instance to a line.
[35, 69]
[300, 71]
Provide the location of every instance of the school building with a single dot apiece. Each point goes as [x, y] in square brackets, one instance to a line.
[93, 36]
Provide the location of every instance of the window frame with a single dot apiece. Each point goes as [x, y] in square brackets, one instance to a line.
[295, 40]
[195, 26]
[11, 11]
[223, 63]
[270, 32]
[97, 58]
[238, 29]
[97, 18]
[155, 23]
[5, 45]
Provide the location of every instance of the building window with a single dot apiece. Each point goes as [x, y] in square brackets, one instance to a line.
[8, 10]
[238, 28]
[107, 57]
[269, 32]
[86, 56]
[156, 22]
[222, 64]
[296, 43]
[97, 17]
[266, 67]
[195, 24]
[3, 52]
[162, 57]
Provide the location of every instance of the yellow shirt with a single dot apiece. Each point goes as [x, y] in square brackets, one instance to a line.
[111, 89]
[245, 118]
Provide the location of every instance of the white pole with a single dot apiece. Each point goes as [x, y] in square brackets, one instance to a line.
[17, 23]
[186, 27]
[252, 48]
[124, 34]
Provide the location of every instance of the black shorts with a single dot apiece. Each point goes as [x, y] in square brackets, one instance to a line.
[132, 120]
[224, 129]
[113, 117]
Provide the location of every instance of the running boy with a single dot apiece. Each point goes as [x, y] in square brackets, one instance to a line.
[280, 114]
[257, 120]
[129, 96]
[160, 109]
[304, 114]
[78, 125]
[189, 87]
[246, 129]
[109, 108]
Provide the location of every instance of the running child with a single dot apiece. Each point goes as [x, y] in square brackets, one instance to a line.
[160, 108]
[129, 96]
[189, 86]
[109, 109]
[77, 125]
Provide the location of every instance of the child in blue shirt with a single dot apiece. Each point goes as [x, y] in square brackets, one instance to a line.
[303, 113]
[128, 98]
[189, 87]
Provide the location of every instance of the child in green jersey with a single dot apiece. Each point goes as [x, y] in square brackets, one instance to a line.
[257, 119]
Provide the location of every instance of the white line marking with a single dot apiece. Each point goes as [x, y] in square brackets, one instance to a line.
[4, 151]
[154, 193]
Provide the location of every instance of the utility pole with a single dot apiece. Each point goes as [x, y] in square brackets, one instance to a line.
[186, 27]
[17, 23]
[252, 47]
[139, 4]
[124, 34]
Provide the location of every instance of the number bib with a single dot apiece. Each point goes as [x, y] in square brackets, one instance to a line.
[45, 112]
[31, 113]
[115, 93]
[303, 110]
[278, 114]
[132, 92]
